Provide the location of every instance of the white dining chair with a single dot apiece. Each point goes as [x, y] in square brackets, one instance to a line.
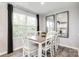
[55, 41]
[50, 44]
[29, 48]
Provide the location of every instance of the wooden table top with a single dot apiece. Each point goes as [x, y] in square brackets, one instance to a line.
[38, 39]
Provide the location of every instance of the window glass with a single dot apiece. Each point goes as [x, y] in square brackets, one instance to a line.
[23, 25]
[50, 23]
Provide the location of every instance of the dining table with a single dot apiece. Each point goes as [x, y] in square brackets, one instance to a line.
[39, 40]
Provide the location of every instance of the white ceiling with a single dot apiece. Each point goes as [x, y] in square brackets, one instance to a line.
[41, 9]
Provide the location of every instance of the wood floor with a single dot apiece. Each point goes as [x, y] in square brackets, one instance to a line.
[66, 52]
[62, 52]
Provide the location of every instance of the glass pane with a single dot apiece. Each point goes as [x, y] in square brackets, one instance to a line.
[62, 17]
[18, 19]
[31, 25]
[62, 24]
[23, 25]
[19, 25]
[31, 21]
[50, 23]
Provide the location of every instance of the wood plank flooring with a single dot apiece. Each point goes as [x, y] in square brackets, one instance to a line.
[62, 52]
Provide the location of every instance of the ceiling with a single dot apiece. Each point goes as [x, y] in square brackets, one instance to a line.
[36, 7]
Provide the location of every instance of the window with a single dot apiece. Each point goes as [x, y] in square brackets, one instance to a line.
[50, 23]
[18, 25]
[23, 25]
[31, 25]
[63, 24]
[60, 23]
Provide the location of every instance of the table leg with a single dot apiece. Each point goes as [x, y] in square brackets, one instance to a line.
[40, 50]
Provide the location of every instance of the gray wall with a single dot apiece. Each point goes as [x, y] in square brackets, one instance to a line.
[73, 40]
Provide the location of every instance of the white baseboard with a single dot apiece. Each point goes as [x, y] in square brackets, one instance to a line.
[17, 48]
[70, 47]
[59, 44]
[3, 53]
[13, 50]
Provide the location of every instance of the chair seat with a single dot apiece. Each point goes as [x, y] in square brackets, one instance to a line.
[32, 51]
[46, 47]
[31, 48]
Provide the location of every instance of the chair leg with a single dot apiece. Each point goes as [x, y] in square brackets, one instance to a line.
[23, 53]
[45, 53]
[28, 53]
[51, 53]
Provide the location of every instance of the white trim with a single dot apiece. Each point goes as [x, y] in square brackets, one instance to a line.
[3, 53]
[13, 50]
[17, 48]
[70, 47]
[59, 44]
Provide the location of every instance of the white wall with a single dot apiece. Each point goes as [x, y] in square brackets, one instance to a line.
[3, 28]
[73, 40]
[4, 31]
